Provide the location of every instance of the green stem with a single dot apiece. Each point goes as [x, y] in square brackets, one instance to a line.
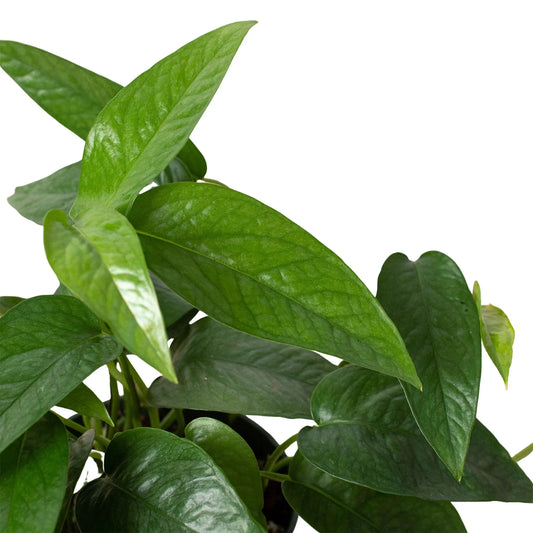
[523, 453]
[281, 464]
[274, 476]
[278, 452]
[133, 412]
[115, 373]
[82, 429]
[142, 393]
[115, 404]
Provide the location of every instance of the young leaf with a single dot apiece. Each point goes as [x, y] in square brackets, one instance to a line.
[141, 130]
[222, 369]
[368, 412]
[78, 453]
[85, 402]
[234, 457]
[34, 476]
[49, 345]
[141, 490]
[497, 334]
[433, 309]
[249, 267]
[101, 262]
[72, 94]
[331, 504]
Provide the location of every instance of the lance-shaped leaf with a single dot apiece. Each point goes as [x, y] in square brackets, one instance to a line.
[33, 478]
[367, 413]
[78, 453]
[430, 303]
[249, 267]
[497, 334]
[234, 457]
[222, 369]
[101, 262]
[141, 130]
[57, 191]
[49, 345]
[156, 481]
[331, 504]
[85, 402]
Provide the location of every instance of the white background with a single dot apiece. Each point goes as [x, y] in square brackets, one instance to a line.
[377, 126]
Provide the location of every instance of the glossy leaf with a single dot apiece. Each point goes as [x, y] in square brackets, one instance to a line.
[49, 345]
[190, 165]
[85, 402]
[57, 191]
[141, 130]
[222, 369]
[101, 262]
[251, 268]
[431, 305]
[331, 504]
[367, 413]
[156, 481]
[497, 334]
[33, 478]
[234, 457]
[7, 302]
[72, 94]
[78, 453]
[172, 306]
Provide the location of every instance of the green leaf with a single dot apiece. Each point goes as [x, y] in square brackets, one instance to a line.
[190, 165]
[101, 262]
[79, 450]
[497, 334]
[57, 191]
[367, 413]
[85, 402]
[72, 94]
[431, 305]
[34, 476]
[156, 481]
[331, 504]
[7, 302]
[251, 268]
[141, 130]
[234, 457]
[222, 369]
[172, 306]
[49, 345]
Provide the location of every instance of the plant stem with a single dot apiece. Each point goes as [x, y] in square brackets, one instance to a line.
[142, 393]
[274, 476]
[523, 453]
[133, 412]
[278, 452]
[82, 429]
[115, 404]
[281, 464]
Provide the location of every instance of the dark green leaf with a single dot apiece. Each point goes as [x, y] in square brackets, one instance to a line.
[222, 369]
[431, 305]
[367, 413]
[57, 191]
[172, 306]
[72, 94]
[497, 333]
[49, 345]
[249, 267]
[331, 504]
[7, 302]
[33, 478]
[234, 457]
[141, 130]
[156, 481]
[79, 450]
[190, 165]
[85, 402]
[101, 261]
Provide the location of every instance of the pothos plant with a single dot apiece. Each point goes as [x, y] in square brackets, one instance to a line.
[394, 438]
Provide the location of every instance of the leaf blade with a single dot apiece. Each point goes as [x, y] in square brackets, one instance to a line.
[84, 401]
[49, 345]
[432, 307]
[158, 112]
[101, 262]
[251, 268]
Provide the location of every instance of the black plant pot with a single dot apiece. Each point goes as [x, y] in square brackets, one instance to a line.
[280, 516]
